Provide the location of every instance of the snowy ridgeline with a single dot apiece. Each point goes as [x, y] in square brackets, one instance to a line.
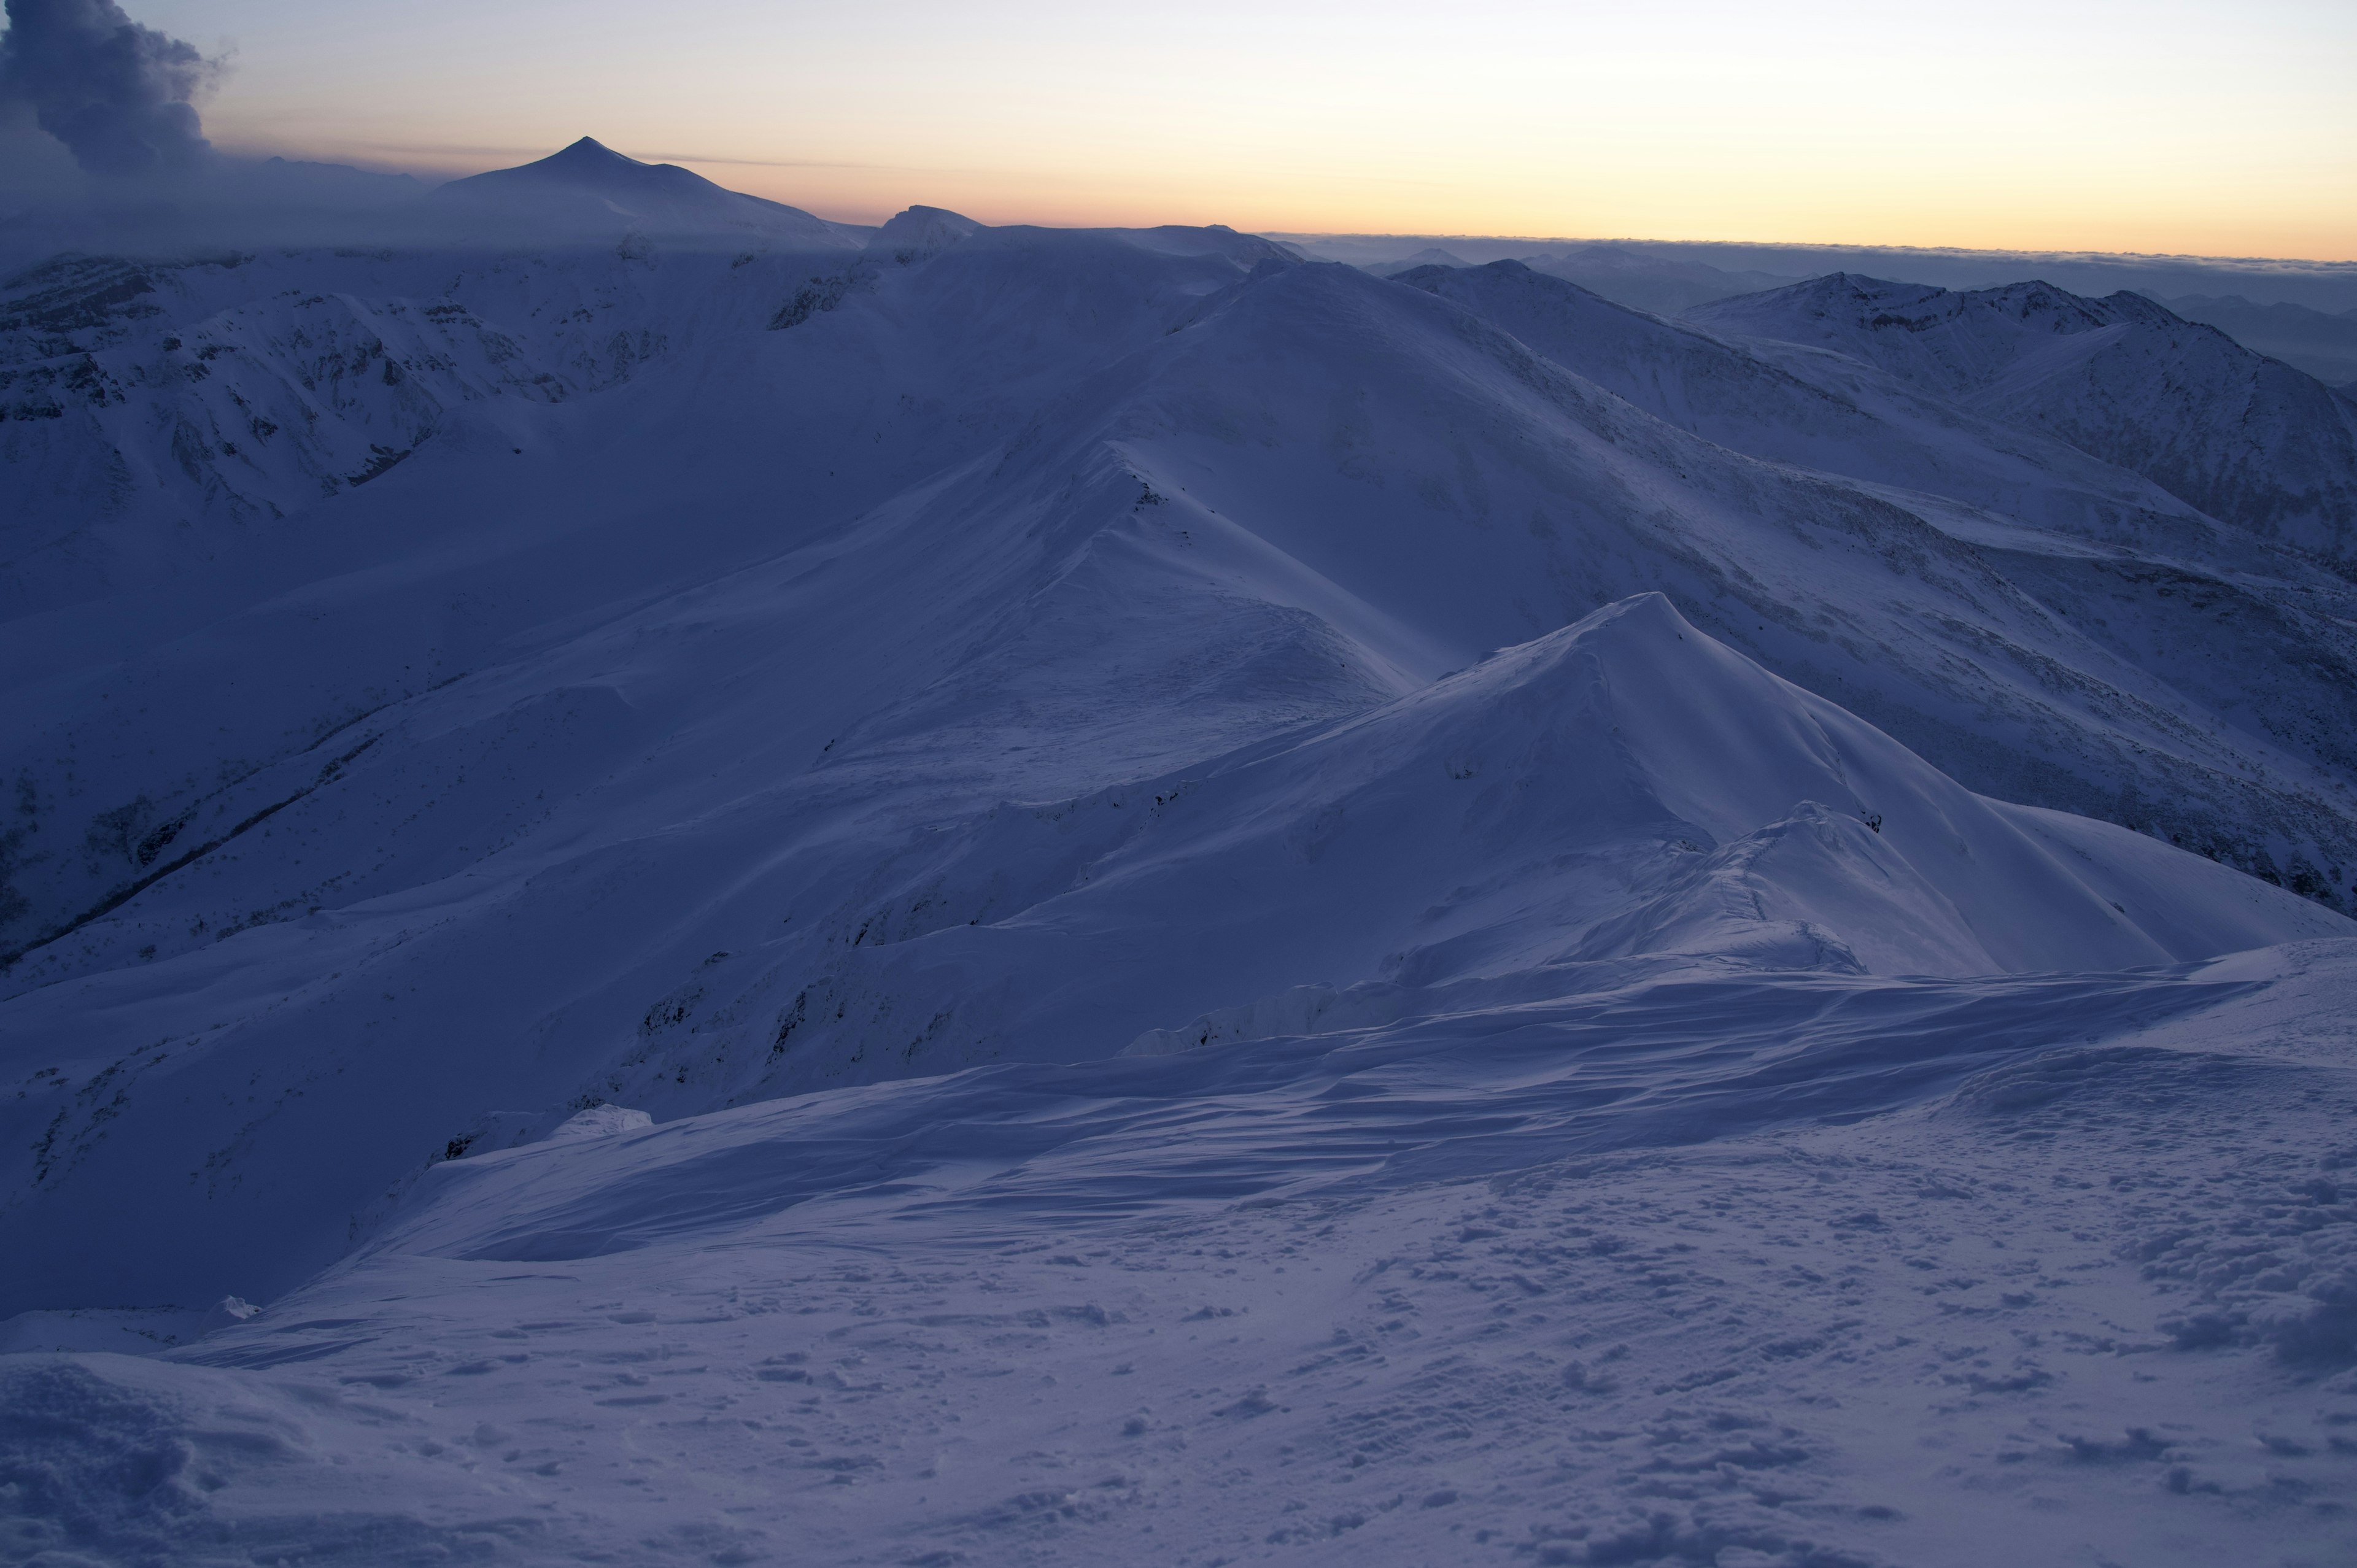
[1011, 896]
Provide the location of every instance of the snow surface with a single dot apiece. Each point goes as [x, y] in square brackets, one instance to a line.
[1699, 1268]
[1009, 896]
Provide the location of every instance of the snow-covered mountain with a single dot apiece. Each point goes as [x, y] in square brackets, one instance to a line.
[151, 409]
[1338, 877]
[917, 233]
[2247, 438]
[589, 189]
[2323, 343]
[156, 410]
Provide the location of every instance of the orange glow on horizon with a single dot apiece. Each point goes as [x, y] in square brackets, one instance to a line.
[2172, 126]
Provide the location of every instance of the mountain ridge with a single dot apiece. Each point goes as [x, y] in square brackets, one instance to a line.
[2245, 439]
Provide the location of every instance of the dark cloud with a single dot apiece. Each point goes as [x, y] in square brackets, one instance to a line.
[116, 93]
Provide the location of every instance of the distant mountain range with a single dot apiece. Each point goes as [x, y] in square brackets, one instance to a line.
[1663, 283]
[2305, 313]
[2323, 345]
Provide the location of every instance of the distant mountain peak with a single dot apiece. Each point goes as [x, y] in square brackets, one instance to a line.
[588, 153]
[588, 187]
[918, 233]
[590, 162]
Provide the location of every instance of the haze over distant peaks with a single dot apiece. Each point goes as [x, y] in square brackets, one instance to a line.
[1430, 256]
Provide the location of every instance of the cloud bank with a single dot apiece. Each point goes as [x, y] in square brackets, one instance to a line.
[118, 95]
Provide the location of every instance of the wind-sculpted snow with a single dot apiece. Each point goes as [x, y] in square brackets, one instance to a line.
[1000, 754]
[1677, 1055]
[2248, 439]
[1700, 1267]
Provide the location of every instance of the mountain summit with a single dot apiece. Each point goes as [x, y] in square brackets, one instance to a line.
[591, 162]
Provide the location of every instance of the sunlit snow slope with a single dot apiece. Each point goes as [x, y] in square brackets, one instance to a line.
[1071, 775]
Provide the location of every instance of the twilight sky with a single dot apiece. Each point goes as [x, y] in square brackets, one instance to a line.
[2210, 126]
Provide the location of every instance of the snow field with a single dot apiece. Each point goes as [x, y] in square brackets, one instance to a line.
[1984, 1309]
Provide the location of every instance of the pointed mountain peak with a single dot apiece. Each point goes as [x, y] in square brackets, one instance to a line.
[590, 164]
[590, 158]
[590, 150]
[928, 221]
[920, 232]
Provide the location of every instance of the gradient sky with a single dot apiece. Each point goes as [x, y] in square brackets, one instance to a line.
[2197, 126]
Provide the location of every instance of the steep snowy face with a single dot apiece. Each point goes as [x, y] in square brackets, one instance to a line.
[2323, 343]
[590, 190]
[1866, 425]
[1623, 786]
[152, 413]
[1440, 469]
[2247, 439]
[919, 232]
[2126, 563]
